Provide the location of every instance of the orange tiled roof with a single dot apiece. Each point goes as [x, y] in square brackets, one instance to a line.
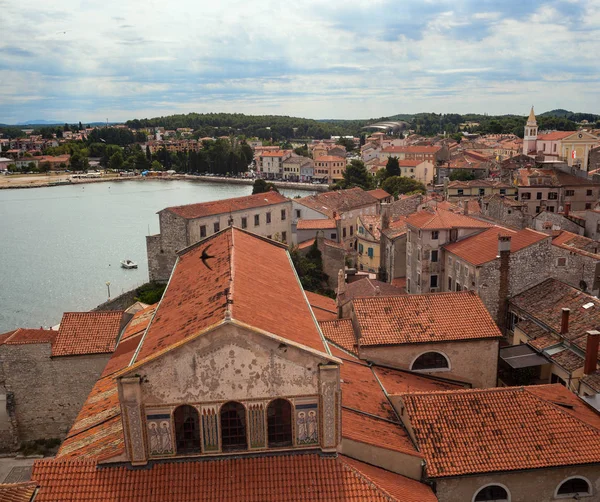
[139, 322]
[340, 332]
[425, 318]
[400, 381]
[412, 149]
[309, 477]
[369, 287]
[250, 275]
[554, 136]
[592, 380]
[330, 158]
[332, 204]
[501, 429]
[203, 209]
[577, 244]
[23, 336]
[483, 247]
[379, 193]
[437, 219]
[17, 492]
[274, 153]
[323, 307]
[87, 333]
[316, 224]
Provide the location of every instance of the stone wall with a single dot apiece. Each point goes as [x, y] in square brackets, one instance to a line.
[162, 248]
[505, 214]
[578, 267]
[536, 485]
[592, 224]
[473, 361]
[547, 222]
[48, 392]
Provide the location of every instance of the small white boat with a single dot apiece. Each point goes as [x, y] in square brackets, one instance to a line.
[128, 264]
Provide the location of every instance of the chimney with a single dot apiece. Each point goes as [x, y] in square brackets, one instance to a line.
[591, 352]
[341, 292]
[564, 321]
[385, 216]
[377, 291]
[567, 208]
[504, 283]
[466, 207]
[334, 215]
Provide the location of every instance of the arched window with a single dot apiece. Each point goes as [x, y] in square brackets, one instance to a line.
[233, 427]
[187, 430]
[574, 486]
[430, 361]
[492, 493]
[279, 422]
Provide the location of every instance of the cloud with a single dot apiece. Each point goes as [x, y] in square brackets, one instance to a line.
[363, 59]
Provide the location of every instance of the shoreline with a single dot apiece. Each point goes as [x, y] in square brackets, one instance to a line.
[185, 177]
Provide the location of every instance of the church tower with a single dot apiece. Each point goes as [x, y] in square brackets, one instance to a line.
[530, 139]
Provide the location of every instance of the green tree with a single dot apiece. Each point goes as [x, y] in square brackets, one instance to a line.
[262, 186]
[348, 143]
[392, 167]
[380, 177]
[156, 166]
[79, 162]
[461, 175]
[399, 185]
[116, 161]
[302, 150]
[310, 270]
[356, 175]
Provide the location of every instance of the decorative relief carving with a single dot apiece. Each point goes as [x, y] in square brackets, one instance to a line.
[256, 419]
[160, 434]
[210, 429]
[135, 432]
[329, 413]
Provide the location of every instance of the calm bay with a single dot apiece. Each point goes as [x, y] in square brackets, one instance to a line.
[60, 245]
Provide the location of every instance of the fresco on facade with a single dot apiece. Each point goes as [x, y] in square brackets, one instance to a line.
[307, 424]
[160, 435]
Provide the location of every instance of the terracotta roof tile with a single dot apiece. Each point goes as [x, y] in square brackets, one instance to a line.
[423, 319]
[501, 429]
[203, 209]
[592, 380]
[400, 382]
[555, 135]
[330, 158]
[369, 288]
[377, 432]
[338, 201]
[340, 332]
[17, 492]
[412, 149]
[281, 478]
[323, 307]
[483, 247]
[577, 244]
[568, 360]
[23, 336]
[379, 193]
[87, 333]
[275, 153]
[139, 322]
[403, 489]
[316, 224]
[437, 219]
[260, 288]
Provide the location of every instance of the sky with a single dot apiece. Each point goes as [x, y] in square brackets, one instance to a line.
[119, 59]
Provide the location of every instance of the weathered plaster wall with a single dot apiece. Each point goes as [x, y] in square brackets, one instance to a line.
[48, 392]
[473, 361]
[537, 485]
[230, 363]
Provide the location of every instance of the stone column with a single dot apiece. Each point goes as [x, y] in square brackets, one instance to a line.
[130, 397]
[329, 388]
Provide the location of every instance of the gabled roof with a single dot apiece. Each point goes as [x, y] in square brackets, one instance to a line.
[338, 201]
[440, 219]
[93, 332]
[379, 193]
[368, 287]
[555, 135]
[323, 307]
[483, 247]
[233, 271]
[501, 429]
[24, 336]
[309, 477]
[22, 492]
[577, 244]
[191, 211]
[330, 158]
[274, 153]
[425, 318]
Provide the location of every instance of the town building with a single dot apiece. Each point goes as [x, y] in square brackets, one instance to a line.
[267, 214]
[505, 211]
[298, 168]
[431, 154]
[550, 222]
[342, 206]
[269, 164]
[46, 375]
[361, 288]
[533, 444]
[368, 239]
[393, 249]
[427, 232]
[496, 263]
[576, 261]
[479, 188]
[329, 168]
[551, 190]
[381, 195]
[558, 323]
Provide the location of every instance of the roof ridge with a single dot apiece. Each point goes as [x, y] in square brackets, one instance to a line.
[490, 390]
[229, 299]
[366, 479]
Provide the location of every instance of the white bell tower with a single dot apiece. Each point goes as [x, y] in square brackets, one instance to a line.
[530, 138]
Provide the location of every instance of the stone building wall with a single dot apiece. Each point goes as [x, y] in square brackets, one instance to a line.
[162, 247]
[547, 222]
[577, 268]
[473, 361]
[505, 214]
[48, 392]
[527, 268]
[393, 257]
[535, 485]
[592, 224]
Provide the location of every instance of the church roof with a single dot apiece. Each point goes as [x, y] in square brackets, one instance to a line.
[234, 273]
[531, 120]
